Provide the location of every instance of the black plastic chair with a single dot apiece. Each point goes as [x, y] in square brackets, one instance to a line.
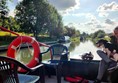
[9, 73]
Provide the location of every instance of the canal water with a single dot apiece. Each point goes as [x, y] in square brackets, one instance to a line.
[76, 50]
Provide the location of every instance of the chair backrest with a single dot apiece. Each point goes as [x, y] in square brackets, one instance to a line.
[8, 70]
[57, 50]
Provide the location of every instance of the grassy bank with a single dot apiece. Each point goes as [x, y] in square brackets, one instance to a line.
[75, 39]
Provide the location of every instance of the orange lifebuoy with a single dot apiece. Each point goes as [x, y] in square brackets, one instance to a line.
[25, 39]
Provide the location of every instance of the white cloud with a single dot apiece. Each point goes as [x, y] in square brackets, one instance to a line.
[90, 25]
[87, 15]
[65, 6]
[93, 25]
[20, 0]
[11, 13]
[103, 14]
[109, 21]
[105, 8]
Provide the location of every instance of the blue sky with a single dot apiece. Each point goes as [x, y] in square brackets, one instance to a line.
[85, 15]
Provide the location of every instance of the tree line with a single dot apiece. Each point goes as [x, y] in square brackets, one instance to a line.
[35, 17]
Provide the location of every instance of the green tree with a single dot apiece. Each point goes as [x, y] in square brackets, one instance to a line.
[12, 24]
[55, 25]
[36, 16]
[70, 31]
[3, 12]
[99, 34]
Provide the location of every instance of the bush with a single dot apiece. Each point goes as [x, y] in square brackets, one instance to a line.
[5, 40]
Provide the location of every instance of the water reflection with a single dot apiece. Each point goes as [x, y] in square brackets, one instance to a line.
[73, 46]
[24, 55]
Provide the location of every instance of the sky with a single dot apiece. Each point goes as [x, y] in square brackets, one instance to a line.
[85, 15]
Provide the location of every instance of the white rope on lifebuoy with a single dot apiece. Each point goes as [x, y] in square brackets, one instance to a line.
[37, 60]
[13, 47]
[19, 46]
[32, 41]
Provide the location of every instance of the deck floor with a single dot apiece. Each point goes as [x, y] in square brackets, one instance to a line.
[54, 80]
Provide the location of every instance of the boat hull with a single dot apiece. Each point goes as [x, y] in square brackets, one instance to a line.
[83, 68]
[74, 67]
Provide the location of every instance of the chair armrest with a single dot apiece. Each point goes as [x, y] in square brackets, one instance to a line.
[36, 67]
[64, 56]
[45, 51]
[65, 53]
[31, 69]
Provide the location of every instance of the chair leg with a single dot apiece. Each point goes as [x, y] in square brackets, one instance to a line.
[58, 73]
[39, 72]
[42, 74]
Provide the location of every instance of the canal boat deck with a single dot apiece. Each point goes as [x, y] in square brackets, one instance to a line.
[79, 65]
[54, 80]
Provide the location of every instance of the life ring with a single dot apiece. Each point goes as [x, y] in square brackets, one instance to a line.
[25, 39]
